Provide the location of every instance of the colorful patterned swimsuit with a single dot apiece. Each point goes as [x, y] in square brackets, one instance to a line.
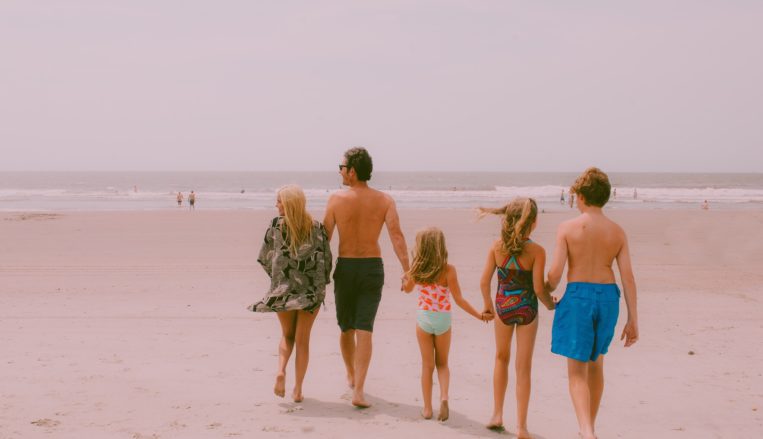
[515, 300]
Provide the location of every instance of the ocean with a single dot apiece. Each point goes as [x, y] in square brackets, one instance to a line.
[119, 191]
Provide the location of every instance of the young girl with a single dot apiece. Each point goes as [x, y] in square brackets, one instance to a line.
[520, 263]
[435, 280]
[296, 256]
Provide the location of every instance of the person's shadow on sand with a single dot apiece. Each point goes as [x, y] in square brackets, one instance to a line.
[313, 408]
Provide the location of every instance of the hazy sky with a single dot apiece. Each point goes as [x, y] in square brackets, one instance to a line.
[425, 85]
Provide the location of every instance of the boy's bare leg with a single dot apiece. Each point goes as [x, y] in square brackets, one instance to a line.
[595, 385]
[363, 350]
[347, 346]
[577, 372]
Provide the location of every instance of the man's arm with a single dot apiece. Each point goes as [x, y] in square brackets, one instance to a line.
[392, 220]
[630, 331]
[329, 222]
[559, 259]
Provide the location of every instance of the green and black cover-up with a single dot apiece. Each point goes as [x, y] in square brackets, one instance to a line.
[297, 281]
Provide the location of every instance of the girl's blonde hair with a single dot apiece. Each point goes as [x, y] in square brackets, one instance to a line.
[299, 223]
[430, 256]
[518, 218]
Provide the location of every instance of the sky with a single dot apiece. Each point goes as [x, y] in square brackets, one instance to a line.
[243, 85]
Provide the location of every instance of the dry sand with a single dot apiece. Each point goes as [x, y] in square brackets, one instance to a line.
[133, 325]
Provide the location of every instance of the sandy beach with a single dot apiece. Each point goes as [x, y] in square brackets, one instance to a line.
[134, 325]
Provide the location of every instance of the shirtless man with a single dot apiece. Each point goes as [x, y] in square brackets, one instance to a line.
[585, 318]
[359, 214]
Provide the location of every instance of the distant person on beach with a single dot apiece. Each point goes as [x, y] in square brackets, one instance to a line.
[520, 263]
[614, 193]
[359, 213]
[297, 257]
[705, 205]
[561, 200]
[635, 194]
[435, 281]
[572, 200]
[192, 201]
[585, 318]
[180, 199]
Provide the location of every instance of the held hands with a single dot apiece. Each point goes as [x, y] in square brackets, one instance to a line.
[630, 333]
[487, 314]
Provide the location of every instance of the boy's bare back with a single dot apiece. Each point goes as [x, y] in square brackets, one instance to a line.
[359, 214]
[592, 243]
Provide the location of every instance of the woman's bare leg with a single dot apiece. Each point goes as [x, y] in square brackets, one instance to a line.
[288, 321]
[302, 340]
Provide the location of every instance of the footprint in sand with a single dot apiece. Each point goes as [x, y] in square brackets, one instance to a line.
[214, 425]
[45, 422]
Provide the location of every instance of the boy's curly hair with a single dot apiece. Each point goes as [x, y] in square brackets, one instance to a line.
[593, 185]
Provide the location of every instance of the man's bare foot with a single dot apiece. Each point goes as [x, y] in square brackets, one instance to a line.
[444, 412]
[297, 395]
[426, 413]
[522, 433]
[359, 401]
[280, 388]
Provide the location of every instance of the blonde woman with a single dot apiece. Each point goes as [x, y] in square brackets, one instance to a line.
[520, 263]
[297, 258]
[436, 281]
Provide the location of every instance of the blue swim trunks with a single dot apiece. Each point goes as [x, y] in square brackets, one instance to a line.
[584, 320]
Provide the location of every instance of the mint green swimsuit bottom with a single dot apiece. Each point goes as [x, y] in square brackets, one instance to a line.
[433, 322]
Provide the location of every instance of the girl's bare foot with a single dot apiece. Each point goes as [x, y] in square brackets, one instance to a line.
[280, 388]
[426, 413]
[522, 433]
[297, 395]
[444, 412]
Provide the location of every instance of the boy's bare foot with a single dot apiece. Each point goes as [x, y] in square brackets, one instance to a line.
[426, 413]
[444, 412]
[522, 433]
[280, 388]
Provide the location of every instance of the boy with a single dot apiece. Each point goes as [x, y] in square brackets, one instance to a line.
[585, 318]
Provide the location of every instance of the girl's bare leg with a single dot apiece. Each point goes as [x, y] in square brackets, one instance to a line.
[288, 321]
[426, 346]
[304, 325]
[523, 362]
[503, 335]
[441, 351]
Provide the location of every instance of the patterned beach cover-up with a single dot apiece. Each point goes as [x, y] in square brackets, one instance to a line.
[297, 282]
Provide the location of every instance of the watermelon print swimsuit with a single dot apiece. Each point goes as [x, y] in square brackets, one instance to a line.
[433, 313]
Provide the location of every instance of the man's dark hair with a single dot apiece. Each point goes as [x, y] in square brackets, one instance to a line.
[359, 160]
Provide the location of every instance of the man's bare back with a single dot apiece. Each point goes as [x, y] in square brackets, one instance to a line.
[359, 214]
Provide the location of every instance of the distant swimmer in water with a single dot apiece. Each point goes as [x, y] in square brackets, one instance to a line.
[180, 199]
[705, 205]
[192, 201]
[614, 193]
[561, 200]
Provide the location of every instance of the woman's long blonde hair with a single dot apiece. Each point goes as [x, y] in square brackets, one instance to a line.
[518, 218]
[430, 256]
[299, 223]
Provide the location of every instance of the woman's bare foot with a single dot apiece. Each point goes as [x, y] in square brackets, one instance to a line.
[444, 412]
[496, 424]
[280, 388]
[522, 433]
[426, 413]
